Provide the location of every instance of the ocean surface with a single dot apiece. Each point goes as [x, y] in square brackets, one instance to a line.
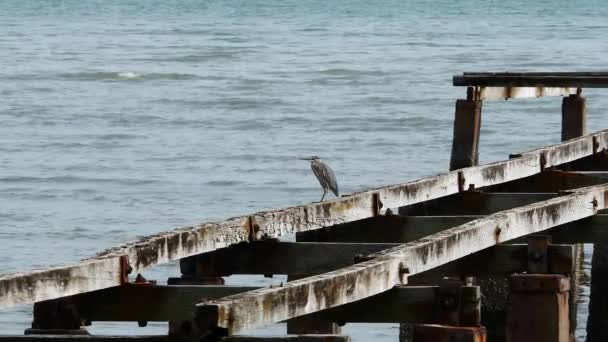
[122, 118]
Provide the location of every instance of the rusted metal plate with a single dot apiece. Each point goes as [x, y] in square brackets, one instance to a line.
[391, 267]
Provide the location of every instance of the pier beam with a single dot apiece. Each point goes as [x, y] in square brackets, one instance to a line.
[467, 123]
[574, 125]
[299, 326]
[538, 308]
[57, 316]
[574, 117]
[194, 272]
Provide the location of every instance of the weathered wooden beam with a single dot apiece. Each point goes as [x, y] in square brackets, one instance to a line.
[385, 229]
[503, 259]
[552, 181]
[391, 267]
[411, 304]
[149, 303]
[292, 258]
[303, 258]
[473, 203]
[26, 288]
[416, 304]
[402, 229]
[467, 125]
[549, 79]
[165, 338]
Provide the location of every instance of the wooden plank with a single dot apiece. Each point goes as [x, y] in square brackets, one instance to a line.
[164, 303]
[34, 286]
[391, 267]
[404, 229]
[149, 303]
[302, 258]
[385, 229]
[503, 259]
[465, 143]
[26, 288]
[552, 181]
[292, 258]
[473, 203]
[411, 304]
[574, 80]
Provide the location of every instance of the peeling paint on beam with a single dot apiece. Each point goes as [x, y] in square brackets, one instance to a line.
[34, 286]
[388, 268]
[534, 162]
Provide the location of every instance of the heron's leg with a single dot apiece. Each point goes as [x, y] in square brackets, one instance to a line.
[324, 193]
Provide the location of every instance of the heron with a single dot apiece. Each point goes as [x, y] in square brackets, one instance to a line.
[324, 174]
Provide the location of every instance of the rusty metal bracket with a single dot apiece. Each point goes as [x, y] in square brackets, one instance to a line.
[125, 269]
[376, 204]
[448, 304]
[596, 144]
[461, 181]
[359, 258]
[538, 253]
[543, 161]
[252, 229]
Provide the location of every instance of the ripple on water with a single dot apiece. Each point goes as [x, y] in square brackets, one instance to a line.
[126, 76]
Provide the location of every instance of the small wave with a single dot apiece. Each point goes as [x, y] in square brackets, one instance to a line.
[73, 179]
[351, 72]
[125, 76]
[223, 183]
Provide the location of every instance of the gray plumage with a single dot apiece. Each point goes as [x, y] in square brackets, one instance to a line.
[324, 174]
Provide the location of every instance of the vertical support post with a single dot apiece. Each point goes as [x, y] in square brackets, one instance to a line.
[194, 272]
[457, 314]
[574, 125]
[302, 326]
[467, 124]
[57, 316]
[574, 117]
[538, 308]
[465, 142]
[442, 333]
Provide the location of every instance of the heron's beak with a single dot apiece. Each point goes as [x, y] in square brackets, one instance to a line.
[307, 159]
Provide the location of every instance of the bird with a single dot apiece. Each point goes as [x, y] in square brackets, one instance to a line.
[324, 174]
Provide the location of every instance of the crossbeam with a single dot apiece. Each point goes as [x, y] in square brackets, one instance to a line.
[26, 288]
[534, 79]
[308, 258]
[414, 304]
[392, 267]
[402, 229]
